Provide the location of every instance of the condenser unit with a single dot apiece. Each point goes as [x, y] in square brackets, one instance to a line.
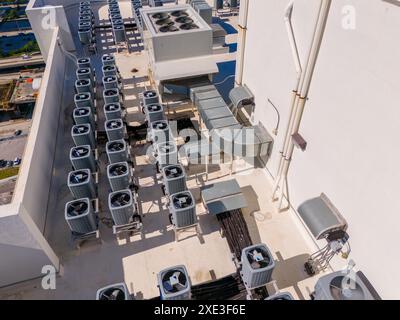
[117, 291]
[119, 176]
[154, 112]
[110, 82]
[83, 85]
[80, 216]
[166, 154]
[174, 179]
[84, 73]
[108, 60]
[150, 97]
[257, 266]
[174, 283]
[183, 209]
[85, 35]
[81, 184]
[159, 132]
[112, 111]
[84, 116]
[84, 100]
[122, 207]
[82, 157]
[119, 33]
[115, 129]
[117, 151]
[280, 296]
[82, 134]
[109, 70]
[84, 63]
[111, 96]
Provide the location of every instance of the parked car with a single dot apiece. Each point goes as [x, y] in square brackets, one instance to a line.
[2, 163]
[17, 161]
[9, 163]
[17, 132]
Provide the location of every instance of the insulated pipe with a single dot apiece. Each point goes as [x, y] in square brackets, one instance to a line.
[305, 87]
[242, 38]
[299, 70]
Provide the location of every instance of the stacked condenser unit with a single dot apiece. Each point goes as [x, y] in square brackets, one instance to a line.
[136, 6]
[117, 23]
[86, 23]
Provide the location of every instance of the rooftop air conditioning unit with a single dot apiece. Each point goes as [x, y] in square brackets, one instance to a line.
[119, 176]
[115, 16]
[109, 70]
[174, 283]
[84, 3]
[84, 24]
[84, 100]
[108, 60]
[174, 179]
[80, 216]
[81, 184]
[84, 63]
[119, 33]
[117, 151]
[84, 85]
[111, 96]
[117, 291]
[154, 112]
[82, 135]
[85, 73]
[166, 154]
[342, 286]
[281, 296]
[257, 266]
[159, 132]
[82, 157]
[112, 111]
[122, 207]
[150, 97]
[183, 209]
[114, 129]
[84, 116]
[85, 35]
[88, 12]
[110, 82]
[85, 18]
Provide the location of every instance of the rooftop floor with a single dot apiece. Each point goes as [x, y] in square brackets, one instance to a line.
[136, 260]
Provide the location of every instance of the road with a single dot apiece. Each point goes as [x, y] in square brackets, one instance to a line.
[15, 62]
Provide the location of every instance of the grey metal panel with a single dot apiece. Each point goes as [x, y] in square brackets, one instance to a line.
[239, 94]
[197, 89]
[320, 216]
[211, 103]
[222, 123]
[211, 94]
[216, 113]
[219, 190]
[237, 201]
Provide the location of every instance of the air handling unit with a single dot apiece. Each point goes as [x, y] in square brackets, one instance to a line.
[81, 184]
[174, 179]
[83, 85]
[159, 132]
[122, 207]
[257, 266]
[117, 151]
[114, 129]
[150, 97]
[166, 154]
[111, 96]
[82, 157]
[118, 291]
[112, 111]
[84, 100]
[110, 82]
[84, 116]
[179, 42]
[174, 283]
[183, 209]
[119, 176]
[80, 216]
[82, 134]
[108, 59]
[154, 112]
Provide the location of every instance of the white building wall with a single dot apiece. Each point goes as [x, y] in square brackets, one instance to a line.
[351, 120]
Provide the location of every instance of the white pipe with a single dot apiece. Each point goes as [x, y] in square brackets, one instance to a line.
[242, 44]
[305, 87]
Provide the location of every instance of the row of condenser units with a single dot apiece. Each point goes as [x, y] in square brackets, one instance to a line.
[86, 30]
[117, 22]
[80, 213]
[182, 204]
[136, 5]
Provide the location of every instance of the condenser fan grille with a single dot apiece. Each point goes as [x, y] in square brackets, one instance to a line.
[173, 172]
[120, 199]
[174, 281]
[77, 208]
[118, 170]
[149, 94]
[160, 125]
[189, 26]
[114, 124]
[185, 20]
[83, 71]
[163, 22]
[182, 201]
[83, 60]
[258, 258]
[109, 79]
[116, 146]
[82, 96]
[169, 29]
[79, 152]
[179, 13]
[340, 289]
[160, 15]
[80, 129]
[112, 294]
[112, 107]
[81, 112]
[78, 177]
